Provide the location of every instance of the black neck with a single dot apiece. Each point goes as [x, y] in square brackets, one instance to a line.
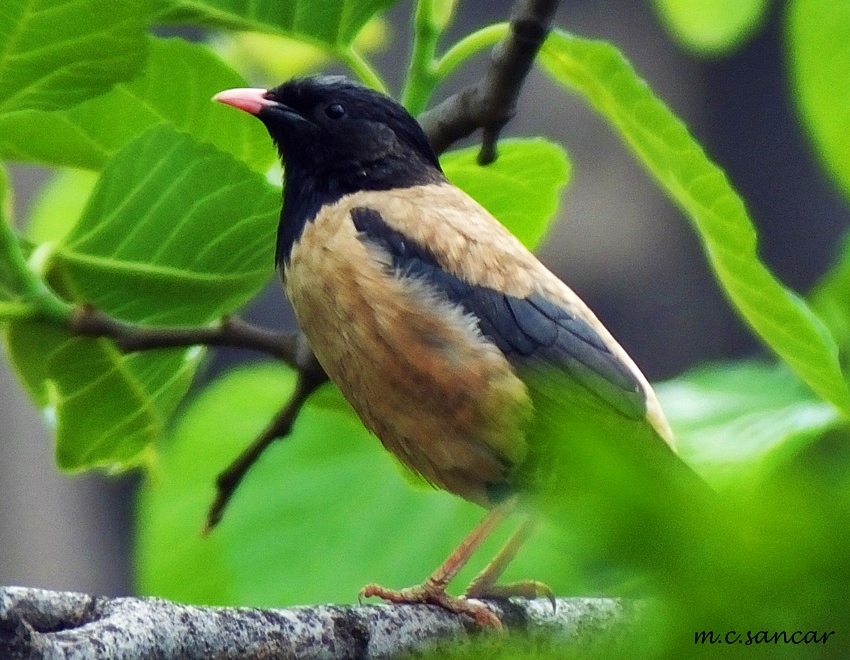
[305, 193]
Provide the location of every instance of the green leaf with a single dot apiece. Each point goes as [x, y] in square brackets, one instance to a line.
[178, 216]
[334, 23]
[175, 88]
[267, 59]
[14, 308]
[325, 511]
[55, 53]
[175, 232]
[830, 297]
[818, 34]
[326, 496]
[731, 419]
[785, 323]
[106, 408]
[521, 188]
[712, 27]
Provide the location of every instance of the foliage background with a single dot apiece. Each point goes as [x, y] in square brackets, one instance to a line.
[621, 245]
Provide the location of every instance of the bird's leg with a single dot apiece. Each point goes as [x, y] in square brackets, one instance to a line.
[433, 589]
[484, 585]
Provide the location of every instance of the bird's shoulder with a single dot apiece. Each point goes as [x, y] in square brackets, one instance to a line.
[457, 232]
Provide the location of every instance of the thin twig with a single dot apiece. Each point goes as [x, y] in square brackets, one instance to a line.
[310, 377]
[231, 331]
[491, 103]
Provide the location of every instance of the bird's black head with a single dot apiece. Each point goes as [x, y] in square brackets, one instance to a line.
[336, 137]
[328, 124]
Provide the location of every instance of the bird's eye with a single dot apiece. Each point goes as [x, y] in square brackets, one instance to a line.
[335, 111]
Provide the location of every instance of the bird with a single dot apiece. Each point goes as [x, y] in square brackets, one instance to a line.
[453, 343]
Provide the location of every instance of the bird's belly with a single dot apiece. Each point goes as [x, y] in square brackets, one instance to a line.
[420, 376]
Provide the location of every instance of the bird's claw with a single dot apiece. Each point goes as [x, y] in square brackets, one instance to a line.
[528, 589]
[433, 594]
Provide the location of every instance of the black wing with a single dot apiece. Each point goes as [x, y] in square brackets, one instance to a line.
[529, 331]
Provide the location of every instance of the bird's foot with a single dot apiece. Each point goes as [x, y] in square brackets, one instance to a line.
[434, 594]
[529, 589]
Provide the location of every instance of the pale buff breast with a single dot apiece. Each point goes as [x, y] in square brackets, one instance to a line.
[417, 371]
[471, 243]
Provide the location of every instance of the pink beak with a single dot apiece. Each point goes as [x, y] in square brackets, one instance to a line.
[249, 99]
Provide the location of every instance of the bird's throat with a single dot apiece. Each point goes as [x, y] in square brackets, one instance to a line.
[305, 192]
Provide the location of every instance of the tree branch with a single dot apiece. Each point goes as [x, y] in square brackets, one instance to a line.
[36, 623]
[491, 103]
[231, 331]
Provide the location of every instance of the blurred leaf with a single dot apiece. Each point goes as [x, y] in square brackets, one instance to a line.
[10, 308]
[522, 188]
[830, 298]
[601, 74]
[818, 34]
[334, 23]
[712, 27]
[55, 53]
[325, 511]
[174, 233]
[175, 87]
[767, 549]
[731, 420]
[59, 204]
[268, 59]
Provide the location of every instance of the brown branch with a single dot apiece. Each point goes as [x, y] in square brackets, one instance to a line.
[310, 377]
[491, 103]
[231, 331]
